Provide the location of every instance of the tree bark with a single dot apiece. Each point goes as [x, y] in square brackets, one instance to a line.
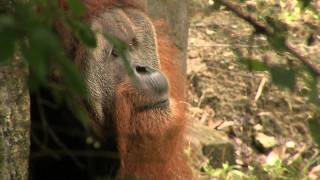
[175, 12]
[14, 121]
[14, 114]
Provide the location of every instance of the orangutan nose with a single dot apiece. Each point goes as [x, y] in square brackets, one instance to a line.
[153, 79]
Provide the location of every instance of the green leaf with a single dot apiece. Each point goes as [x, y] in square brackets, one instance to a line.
[42, 46]
[86, 35]
[7, 48]
[314, 126]
[37, 65]
[72, 77]
[278, 42]
[7, 38]
[121, 47]
[278, 39]
[283, 77]
[254, 64]
[278, 26]
[44, 41]
[118, 44]
[77, 7]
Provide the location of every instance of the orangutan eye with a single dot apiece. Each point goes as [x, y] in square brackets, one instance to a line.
[114, 53]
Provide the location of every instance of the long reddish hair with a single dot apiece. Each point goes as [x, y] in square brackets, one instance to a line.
[166, 130]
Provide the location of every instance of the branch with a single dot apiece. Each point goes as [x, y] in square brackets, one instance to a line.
[267, 31]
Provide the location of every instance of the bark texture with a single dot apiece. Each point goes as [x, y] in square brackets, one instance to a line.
[175, 12]
[14, 121]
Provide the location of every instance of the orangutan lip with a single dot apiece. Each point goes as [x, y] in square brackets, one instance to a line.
[158, 105]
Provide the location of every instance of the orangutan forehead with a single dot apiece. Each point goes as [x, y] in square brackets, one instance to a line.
[126, 24]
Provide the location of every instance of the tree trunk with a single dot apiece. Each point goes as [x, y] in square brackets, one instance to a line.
[175, 12]
[14, 95]
[14, 114]
[14, 121]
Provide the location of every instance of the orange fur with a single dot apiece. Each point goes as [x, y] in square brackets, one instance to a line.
[151, 143]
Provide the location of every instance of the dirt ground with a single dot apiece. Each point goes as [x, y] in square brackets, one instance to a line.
[258, 117]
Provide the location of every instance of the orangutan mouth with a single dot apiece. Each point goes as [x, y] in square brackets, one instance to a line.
[163, 104]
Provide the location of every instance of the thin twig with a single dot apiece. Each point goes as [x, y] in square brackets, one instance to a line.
[260, 89]
[53, 135]
[266, 30]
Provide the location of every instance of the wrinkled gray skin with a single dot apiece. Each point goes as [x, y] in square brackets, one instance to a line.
[104, 70]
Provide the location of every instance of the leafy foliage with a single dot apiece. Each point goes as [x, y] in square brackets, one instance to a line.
[120, 47]
[281, 75]
[280, 19]
[272, 169]
[226, 172]
[26, 30]
[285, 75]
[28, 27]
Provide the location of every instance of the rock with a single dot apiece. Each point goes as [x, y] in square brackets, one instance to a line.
[209, 32]
[290, 144]
[258, 127]
[209, 145]
[219, 153]
[272, 159]
[314, 173]
[265, 142]
[226, 125]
